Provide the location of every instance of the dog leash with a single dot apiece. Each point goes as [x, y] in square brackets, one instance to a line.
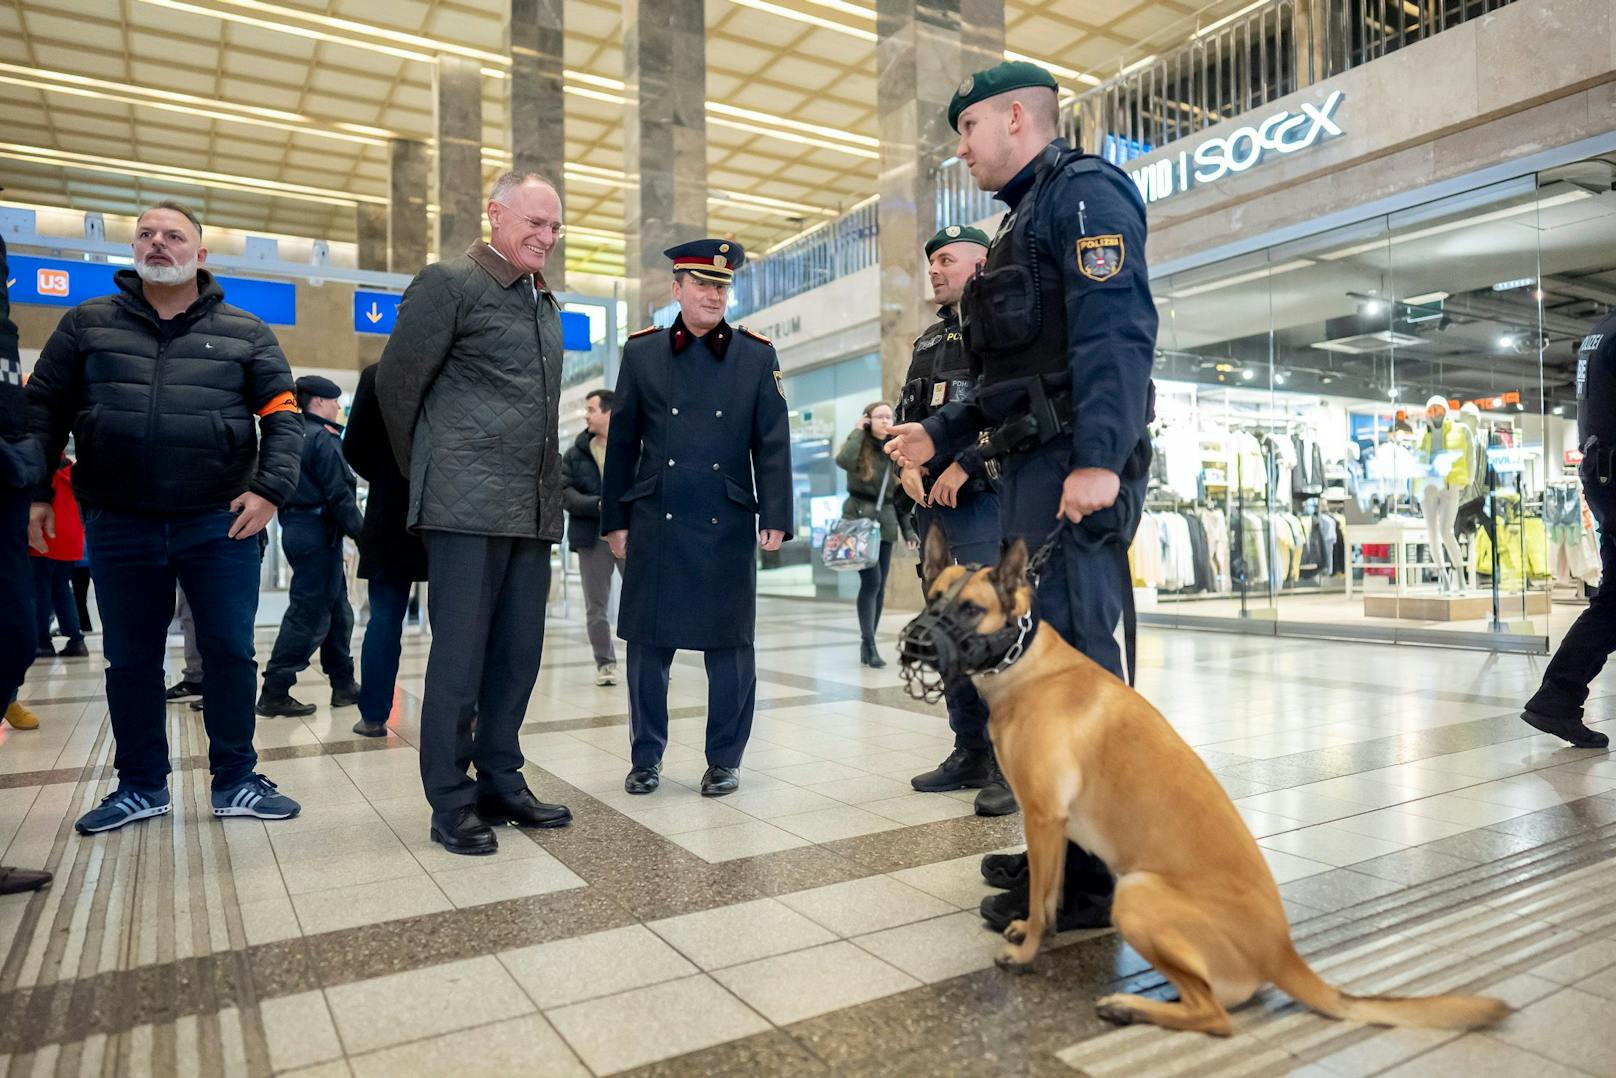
[1119, 550]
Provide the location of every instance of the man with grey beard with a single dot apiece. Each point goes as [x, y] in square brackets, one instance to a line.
[160, 384]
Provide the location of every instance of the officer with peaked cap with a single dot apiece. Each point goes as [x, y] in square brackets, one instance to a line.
[1061, 326]
[954, 492]
[313, 522]
[700, 414]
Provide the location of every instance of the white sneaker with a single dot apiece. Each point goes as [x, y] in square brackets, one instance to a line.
[606, 674]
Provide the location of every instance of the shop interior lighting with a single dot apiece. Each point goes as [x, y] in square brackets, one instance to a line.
[1510, 286]
[1575, 194]
[1248, 374]
[1241, 278]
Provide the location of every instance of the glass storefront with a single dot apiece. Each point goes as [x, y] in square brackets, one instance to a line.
[1369, 433]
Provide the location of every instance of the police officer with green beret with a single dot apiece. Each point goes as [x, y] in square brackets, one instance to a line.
[954, 492]
[1061, 326]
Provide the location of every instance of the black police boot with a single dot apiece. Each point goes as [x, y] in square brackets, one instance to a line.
[521, 809]
[75, 649]
[869, 656]
[965, 769]
[345, 695]
[282, 705]
[1085, 902]
[719, 781]
[1005, 870]
[996, 798]
[643, 780]
[1566, 730]
[461, 830]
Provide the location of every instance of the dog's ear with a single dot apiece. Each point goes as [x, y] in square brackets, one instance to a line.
[1012, 571]
[936, 558]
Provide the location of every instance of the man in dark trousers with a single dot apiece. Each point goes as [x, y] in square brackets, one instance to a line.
[700, 413]
[581, 474]
[1062, 328]
[470, 387]
[313, 521]
[391, 557]
[1556, 707]
[955, 493]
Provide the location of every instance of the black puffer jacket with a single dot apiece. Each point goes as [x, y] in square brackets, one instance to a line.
[162, 414]
[580, 493]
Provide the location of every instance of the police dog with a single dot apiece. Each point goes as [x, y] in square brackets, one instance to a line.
[1090, 760]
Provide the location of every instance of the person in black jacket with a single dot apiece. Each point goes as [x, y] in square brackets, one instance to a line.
[391, 557]
[581, 471]
[323, 509]
[160, 384]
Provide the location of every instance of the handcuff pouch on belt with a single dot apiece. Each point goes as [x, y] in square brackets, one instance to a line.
[1598, 461]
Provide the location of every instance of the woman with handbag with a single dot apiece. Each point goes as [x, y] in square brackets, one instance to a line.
[870, 495]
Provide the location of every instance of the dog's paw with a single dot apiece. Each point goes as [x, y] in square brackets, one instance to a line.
[1016, 931]
[1116, 1009]
[1010, 961]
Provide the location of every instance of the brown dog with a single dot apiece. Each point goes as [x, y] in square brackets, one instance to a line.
[1090, 760]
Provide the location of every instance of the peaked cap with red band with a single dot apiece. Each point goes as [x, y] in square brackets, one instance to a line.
[711, 260]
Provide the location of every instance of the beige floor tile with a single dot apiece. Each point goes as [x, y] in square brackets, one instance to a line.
[390, 1010]
[650, 1024]
[743, 840]
[1263, 824]
[957, 882]
[496, 878]
[349, 869]
[1287, 866]
[1304, 807]
[369, 903]
[528, 1046]
[371, 835]
[730, 935]
[937, 949]
[1558, 1027]
[914, 808]
[868, 905]
[599, 964]
[828, 825]
[1478, 1055]
[1456, 808]
[267, 920]
[816, 772]
[675, 819]
[1331, 844]
[865, 788]
[299, 1030]
[1400, 825]
[791, 987]
[779, 800]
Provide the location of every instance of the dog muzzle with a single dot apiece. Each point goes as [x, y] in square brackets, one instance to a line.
[941, 648]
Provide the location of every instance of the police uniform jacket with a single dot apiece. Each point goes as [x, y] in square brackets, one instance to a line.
[326, 486]
[1084, 324]
[698, 461]
[1596, 384]
[940, 374]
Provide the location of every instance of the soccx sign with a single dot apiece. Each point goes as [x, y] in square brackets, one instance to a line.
[1282, 133]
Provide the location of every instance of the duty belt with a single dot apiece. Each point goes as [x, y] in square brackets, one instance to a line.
[1047, 416]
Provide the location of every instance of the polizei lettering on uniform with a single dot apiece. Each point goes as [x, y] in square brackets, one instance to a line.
[1283, 133]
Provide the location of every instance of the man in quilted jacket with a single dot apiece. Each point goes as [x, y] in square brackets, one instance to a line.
[470, 391]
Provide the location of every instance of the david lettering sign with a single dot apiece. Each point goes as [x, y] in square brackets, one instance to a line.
[1243, 149]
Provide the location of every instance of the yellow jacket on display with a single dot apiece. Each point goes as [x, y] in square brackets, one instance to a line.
[1451, 450]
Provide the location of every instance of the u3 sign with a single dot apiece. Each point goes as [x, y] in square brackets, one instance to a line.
[1284, 132]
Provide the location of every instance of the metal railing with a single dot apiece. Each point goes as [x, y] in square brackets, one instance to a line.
[1248, 62]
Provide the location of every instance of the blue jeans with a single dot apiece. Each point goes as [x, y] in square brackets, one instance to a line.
[384, 641]
[53, 590]
[138, 558]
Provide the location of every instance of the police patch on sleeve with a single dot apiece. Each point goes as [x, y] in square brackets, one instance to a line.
[1099, 258]
[780, 384]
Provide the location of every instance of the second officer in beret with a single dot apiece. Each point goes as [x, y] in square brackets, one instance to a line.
[313, 523]
[1061, 326]
[700, 417]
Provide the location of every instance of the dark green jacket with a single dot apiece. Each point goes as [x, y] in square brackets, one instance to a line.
[862, 494]
[470, 390]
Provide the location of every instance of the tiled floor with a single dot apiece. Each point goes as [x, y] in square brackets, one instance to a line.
[823, 919]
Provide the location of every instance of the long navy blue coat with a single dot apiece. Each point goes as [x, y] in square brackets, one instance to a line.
[698, 461]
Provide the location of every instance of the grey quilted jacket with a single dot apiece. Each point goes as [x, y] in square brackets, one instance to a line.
[470, 390]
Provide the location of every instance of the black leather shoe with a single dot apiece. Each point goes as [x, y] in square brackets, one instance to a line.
[1005, 870]
[15, 881]
[370, 729]
[282, 706]
[642, 780]
[1566, 730]
[345, 695]
[521, 809]
[1077, 910]
[461, 830]
[964, 769]
[184, 690]
[719, 781]
[74, 649]
[44, 651]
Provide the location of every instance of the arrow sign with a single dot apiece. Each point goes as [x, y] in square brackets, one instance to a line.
[375, 312]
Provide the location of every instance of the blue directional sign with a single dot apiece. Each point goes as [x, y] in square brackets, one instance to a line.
[61, 282]
[575, 331]
[375, 312]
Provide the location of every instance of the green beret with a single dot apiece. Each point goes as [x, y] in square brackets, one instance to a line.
[956, 234]
[998, 79]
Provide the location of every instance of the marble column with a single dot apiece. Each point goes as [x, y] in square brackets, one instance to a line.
[664, 142]
[457, 85]
[919, 60]
[370, 235]
[537, 109]
[981, 34]
[409, 177]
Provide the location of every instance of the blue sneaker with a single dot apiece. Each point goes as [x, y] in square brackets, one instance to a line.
[254, 797]
[123, 805]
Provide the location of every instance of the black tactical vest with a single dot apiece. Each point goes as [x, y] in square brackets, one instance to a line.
[1014, 310]
[939, 372]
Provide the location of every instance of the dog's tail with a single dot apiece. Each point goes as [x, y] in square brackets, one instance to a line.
[1297, 979]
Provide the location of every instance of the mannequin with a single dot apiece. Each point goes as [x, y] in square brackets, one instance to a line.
[1447, 451]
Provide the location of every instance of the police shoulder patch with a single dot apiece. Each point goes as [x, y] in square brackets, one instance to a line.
[755, 336]
[1099, 258]
[643, 332]
[780, 384]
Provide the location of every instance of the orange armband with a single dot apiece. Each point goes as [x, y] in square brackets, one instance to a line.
[286, 402]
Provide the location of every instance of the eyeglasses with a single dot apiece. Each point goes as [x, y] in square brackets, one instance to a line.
[539, 224]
